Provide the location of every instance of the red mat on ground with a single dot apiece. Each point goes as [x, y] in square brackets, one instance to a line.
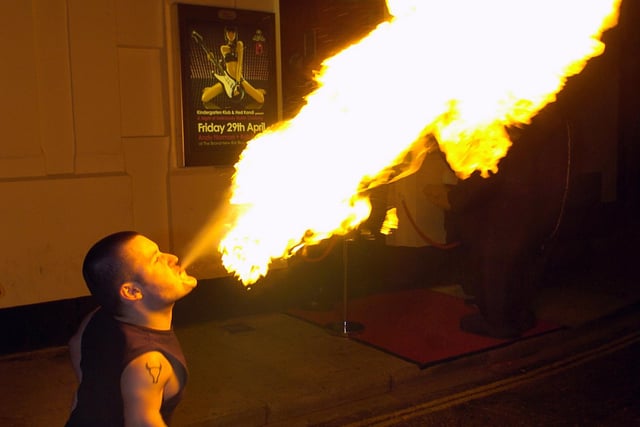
[420, 326]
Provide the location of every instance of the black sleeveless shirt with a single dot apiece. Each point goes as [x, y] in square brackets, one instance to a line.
[107, 348]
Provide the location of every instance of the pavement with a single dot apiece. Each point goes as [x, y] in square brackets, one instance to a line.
[268, 368]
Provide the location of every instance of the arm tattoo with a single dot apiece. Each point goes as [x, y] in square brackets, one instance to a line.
[154, 371]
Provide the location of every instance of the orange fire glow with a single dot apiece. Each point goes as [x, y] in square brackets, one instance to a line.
[461, 71]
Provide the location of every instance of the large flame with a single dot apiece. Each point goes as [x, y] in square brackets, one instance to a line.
[461, 71]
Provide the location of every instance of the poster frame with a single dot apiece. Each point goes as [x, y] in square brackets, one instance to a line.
[216, 131]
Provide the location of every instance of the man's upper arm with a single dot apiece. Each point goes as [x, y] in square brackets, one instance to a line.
[142, 386]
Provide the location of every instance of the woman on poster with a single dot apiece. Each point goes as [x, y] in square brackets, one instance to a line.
[230, 80]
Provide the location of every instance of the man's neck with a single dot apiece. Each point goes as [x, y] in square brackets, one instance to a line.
[158, 319]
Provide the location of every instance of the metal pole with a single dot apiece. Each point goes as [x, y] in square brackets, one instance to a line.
[346, 327]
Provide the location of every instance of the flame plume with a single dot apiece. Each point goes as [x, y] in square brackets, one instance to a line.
[461, 71]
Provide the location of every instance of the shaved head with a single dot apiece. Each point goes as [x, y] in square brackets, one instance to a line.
[105, 269]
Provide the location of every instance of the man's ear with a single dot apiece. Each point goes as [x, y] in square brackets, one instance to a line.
[130, 291]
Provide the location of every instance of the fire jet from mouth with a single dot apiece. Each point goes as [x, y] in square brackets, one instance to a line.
[459, 72]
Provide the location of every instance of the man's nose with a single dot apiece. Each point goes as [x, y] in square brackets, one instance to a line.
[171, 259]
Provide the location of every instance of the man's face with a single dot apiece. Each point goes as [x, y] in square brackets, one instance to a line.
[161, 278]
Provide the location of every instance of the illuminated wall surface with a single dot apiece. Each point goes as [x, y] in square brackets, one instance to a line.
[91, 137]
[90, 143]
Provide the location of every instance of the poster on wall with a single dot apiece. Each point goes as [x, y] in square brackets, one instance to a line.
[228, 81]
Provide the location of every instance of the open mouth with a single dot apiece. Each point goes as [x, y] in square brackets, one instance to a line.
[188, 280]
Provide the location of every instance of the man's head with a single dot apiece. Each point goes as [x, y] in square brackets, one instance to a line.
[126, 267]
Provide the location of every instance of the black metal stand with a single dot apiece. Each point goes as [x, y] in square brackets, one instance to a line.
[345, 327]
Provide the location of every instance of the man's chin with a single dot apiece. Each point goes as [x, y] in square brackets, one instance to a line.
[190, 282]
